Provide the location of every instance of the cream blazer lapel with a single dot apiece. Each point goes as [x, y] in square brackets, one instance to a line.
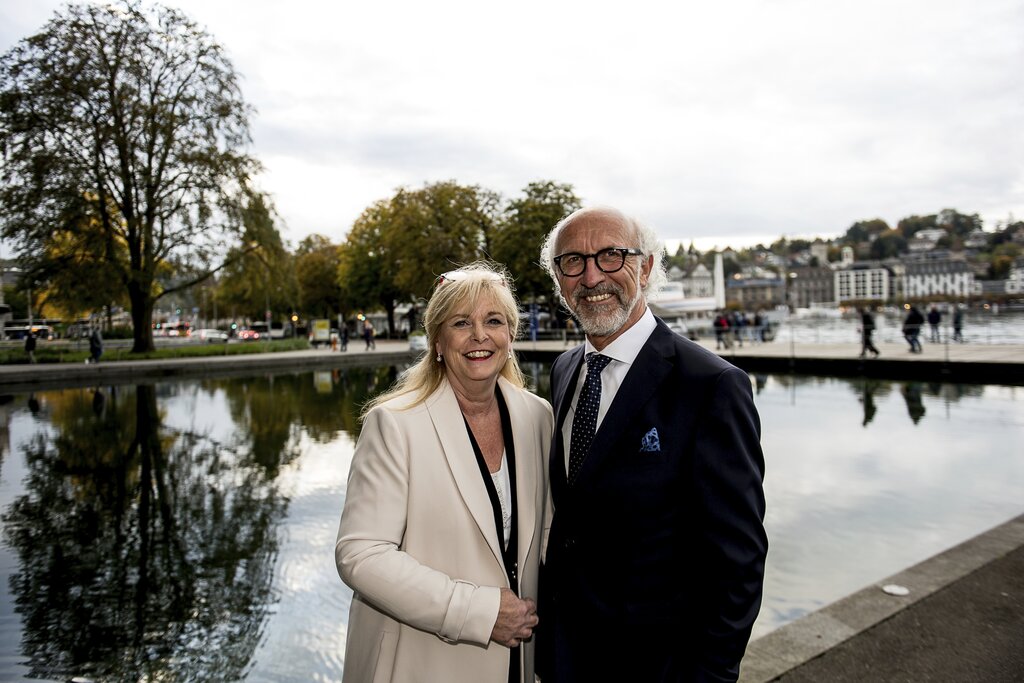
[524, 434]
[450, 427]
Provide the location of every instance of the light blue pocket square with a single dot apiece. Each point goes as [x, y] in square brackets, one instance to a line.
[651, 443]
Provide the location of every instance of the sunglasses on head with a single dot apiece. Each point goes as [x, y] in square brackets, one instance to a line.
[456, 275]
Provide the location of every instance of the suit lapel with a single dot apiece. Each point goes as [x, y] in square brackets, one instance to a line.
[652, 366]
[446, 415]
[524, 436]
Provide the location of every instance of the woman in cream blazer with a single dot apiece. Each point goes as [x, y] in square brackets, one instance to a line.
[418, 541]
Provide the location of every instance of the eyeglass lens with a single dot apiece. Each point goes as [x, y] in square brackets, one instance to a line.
[609, 261]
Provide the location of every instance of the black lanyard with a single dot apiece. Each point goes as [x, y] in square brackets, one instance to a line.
[508, 554]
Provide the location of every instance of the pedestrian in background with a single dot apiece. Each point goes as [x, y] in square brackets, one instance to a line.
[721, 325]
[867, 328]
[30, 346]
[95, 345]
[912, 329]
[958, 325]
[368, 335]
[934, 318]
[739, 323]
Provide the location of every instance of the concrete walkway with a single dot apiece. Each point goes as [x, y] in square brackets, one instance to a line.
[996, 363]
[962, 620]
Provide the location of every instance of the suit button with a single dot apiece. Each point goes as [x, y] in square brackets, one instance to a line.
[569, 542]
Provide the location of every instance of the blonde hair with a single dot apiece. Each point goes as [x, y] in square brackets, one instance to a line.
[453, 291]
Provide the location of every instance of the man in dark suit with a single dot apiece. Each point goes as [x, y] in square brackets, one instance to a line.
[655, 555]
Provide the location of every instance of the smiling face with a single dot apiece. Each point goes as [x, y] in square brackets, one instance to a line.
[474, 342]
[605, 304]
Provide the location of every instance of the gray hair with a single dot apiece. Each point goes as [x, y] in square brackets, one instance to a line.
[647, 241]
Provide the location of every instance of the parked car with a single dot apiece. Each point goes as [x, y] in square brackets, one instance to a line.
[248, 335]
[210, 335]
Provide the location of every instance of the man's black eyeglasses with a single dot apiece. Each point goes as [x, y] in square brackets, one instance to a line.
[607, 260]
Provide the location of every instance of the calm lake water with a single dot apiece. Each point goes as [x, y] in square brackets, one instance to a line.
[185, 530]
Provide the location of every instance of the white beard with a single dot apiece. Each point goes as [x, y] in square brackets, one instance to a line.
[605, 324]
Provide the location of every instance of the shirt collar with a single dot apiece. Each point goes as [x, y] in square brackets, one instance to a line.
[627, 345]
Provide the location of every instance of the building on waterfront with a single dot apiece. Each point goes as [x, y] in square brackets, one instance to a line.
[811, 286]
[819, 250]
[864, 281]
[931, 277]
[695, 280]
[755, 293]
[1015, 283]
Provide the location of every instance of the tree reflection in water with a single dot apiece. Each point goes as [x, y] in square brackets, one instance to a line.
[143, 553]
[149, 553]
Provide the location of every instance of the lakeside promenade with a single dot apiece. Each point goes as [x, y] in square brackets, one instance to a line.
[970, 363]
[962, 620]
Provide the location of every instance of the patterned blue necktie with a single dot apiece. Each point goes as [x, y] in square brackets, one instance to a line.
[584, 419]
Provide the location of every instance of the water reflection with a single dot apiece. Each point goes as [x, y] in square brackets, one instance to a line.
[145, 550]
[183, 531]
[867, 477]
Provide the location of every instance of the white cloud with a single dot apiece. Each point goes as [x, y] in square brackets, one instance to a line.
[723, 123]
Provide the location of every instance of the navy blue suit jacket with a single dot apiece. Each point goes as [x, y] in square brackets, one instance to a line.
[655, 558]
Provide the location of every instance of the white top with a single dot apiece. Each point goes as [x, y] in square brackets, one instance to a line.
[504, 488]
[623, 351]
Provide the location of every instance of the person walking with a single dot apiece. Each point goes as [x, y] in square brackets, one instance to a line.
[656, 549]
[867, 328]
[721, 325]
[912, 329]
[368, 335]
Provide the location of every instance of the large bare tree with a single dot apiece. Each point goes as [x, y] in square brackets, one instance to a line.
[129, 118]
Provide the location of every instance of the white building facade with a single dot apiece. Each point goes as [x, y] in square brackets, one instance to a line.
[863, 282]
[934, 277]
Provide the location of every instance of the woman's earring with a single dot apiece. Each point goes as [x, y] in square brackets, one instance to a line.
[439, 357]
[510, 354]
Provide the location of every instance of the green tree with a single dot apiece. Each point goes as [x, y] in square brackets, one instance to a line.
[1001, 260]
[437, 228]
[130, 116]
[259, 273]
[397, 247]
[518, 238]
[366, 262]
[316, 268]
[70, 276]
[1006, 234]
[889, 244]
[959, 224]
[912, 224]
[861, 231]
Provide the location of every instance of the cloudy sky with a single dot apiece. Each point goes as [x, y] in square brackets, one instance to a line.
[722, 123]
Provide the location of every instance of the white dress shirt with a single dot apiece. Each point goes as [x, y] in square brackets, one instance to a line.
[623, 351]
